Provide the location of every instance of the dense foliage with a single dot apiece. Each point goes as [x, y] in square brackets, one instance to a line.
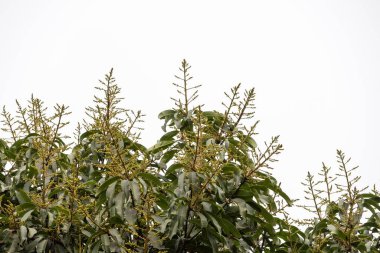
[203, 187]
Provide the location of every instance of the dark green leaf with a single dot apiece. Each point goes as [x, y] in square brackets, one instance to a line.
[150, 179]
[173, 168]
[160, 146]
[250, 142]
[168, 155]
[22, 196]
[169, 135]
[167, 113]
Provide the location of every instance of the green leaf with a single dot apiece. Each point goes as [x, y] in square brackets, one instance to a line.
[206, 206]
[215, 222]
[17, 144]
[125, 187]
[181, 214]
[150, 179]
[119, 203]
[155, 240]
[320, 227]
[105, 240]
[128, 143]
[164, 225]
[181, 181]
[116, 235]
[166, 113]
[204, 222]
[270, 183]
[169, 135]
[173, 168]
[116, 220]
[41, 246]
[227, 226]
[372, 202]
[50, 218]
[56, 191]
[59, 141]
[107, 183]
[136, 191]
[162, 201]
[25, 207]
[160, 146]
[31, 232]
[242, 206]
[61, 210]
[22, 197]
[250, 142]
[230, 168]
[88, 134]
[110, 192]
[95, 247]
[173, 228]
[263, 211]
[168, 155]
[23, 233]
[3, 145]
[213, 115]
[213, 243]
[336, 231]
[15, 242]
[31, 246]
[245, 192]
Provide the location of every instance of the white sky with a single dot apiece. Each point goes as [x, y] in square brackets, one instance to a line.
[315, 66]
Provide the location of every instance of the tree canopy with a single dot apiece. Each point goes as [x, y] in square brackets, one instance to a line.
[205, 186]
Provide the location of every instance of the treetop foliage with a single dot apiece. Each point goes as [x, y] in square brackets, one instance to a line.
[205, 186]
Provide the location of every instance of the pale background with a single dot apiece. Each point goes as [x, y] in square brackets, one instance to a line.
[315, 66]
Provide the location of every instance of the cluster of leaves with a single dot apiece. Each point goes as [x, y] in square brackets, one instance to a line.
[204, 186]
[349, 222]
